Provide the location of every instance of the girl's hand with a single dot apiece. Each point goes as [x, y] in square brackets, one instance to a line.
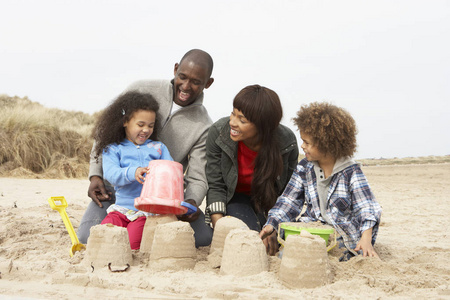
[269, 237]
[139, 175]
[365, 244]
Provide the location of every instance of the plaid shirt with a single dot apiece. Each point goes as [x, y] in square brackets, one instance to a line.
[352, 207]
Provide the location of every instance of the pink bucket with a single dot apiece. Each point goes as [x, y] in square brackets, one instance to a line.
[163, 189]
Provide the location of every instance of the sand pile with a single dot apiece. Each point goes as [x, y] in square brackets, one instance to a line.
[108, 246]
[243, 254]
[304, 263]
[223, 227]
[149, 231]
[173, 247]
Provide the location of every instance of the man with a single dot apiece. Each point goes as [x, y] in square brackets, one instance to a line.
[183, 124]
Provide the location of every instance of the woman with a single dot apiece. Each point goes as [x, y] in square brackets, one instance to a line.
[250, 158]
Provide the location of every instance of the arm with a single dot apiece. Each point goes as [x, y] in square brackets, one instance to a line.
[113, 172]
[367, 211]
[97, 191]
[195, 177]
[217, 189]
[287, 208]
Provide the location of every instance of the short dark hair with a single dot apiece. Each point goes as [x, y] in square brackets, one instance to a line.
[199, 57]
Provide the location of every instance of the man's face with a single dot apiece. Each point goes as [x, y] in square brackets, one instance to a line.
[190, 80]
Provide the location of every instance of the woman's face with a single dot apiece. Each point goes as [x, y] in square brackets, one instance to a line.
[243, 130]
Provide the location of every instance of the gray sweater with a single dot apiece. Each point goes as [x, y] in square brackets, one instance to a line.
[184, 133]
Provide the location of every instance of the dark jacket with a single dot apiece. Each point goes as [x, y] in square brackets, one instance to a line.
[222, 166]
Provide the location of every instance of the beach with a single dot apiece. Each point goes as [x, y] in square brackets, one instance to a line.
[413, 244]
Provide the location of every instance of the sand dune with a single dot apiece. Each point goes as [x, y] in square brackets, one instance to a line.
[413, 244]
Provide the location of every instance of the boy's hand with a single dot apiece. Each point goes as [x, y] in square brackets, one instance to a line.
[139, 175]
[269, 237]
[365, 244]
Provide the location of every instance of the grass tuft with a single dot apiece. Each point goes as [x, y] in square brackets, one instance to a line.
[43, 143]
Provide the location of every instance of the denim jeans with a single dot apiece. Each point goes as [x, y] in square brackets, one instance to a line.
[240, 206]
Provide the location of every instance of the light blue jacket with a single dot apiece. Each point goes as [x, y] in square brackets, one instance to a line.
[120, 162]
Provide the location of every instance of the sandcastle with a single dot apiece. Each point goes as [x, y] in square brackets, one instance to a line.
[305, 262]
[222, 228]
[173, 247]
[108, 245]
[149, 231]
[243, 254]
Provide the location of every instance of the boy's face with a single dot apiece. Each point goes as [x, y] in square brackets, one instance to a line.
[312, 153]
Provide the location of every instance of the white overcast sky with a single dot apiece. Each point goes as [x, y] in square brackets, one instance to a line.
[387, 62]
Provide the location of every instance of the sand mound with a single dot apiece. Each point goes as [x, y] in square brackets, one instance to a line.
[108, 245]
[305, 262]
[149, 231]
[173, 247]
[244, 254]
[223, 227]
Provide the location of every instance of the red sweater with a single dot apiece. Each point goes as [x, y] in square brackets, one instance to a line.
[246, 159]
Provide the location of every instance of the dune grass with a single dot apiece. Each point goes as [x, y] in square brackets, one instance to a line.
[43, 143]
[40, 142]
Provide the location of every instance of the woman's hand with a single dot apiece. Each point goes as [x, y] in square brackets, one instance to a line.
[139, 175]
[269, 237]
[365, 244]
[215, 218]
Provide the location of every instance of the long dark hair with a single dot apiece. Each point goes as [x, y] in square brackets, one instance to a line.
[262, 107]
[109, 127]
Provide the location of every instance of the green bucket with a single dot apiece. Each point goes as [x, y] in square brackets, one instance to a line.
[322, 232]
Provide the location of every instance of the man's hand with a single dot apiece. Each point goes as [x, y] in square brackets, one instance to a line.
[192, 217]
[269, 237]
[97, 191]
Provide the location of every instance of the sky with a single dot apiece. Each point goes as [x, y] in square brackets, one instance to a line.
[387, 62]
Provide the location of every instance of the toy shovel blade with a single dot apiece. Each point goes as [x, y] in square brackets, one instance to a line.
[60, 204]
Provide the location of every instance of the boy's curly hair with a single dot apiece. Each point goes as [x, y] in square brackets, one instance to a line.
[332, 129]
[109, 127]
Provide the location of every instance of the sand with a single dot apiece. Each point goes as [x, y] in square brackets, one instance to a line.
[413, 244]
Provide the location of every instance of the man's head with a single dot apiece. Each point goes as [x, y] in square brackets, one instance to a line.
[192, 75]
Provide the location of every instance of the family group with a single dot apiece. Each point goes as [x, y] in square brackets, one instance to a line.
[245, 165]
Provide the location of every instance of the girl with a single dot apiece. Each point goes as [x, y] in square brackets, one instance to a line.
[126, 136]
[250, 158]
[329, 182]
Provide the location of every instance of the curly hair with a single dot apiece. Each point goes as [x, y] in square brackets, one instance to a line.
[262, 107]
[332, 129]
[109, 127]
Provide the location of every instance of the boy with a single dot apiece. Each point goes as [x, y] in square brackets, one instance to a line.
[331, 184]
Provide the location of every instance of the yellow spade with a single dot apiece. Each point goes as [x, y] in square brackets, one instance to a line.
[60, 204]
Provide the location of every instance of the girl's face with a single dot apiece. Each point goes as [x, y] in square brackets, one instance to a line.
[140, 127]
[243, 130]
[312, 153]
